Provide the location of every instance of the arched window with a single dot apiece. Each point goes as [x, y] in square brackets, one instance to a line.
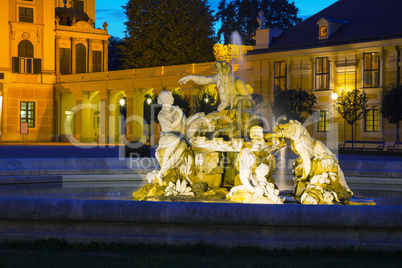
[81, 58]
[25, 57]
[25, 62]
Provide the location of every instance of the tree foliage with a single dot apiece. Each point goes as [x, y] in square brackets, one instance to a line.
[182, 100]
[241, 16]
[152, 108]
[295, 104]
[391, 108]
[167, 32]
[205, 101]
[351, 106]
[114, 52]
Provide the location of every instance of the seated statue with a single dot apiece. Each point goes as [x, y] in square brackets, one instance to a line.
[223, 80]
[172, 142]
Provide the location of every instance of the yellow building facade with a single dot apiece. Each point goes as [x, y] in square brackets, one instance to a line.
[54, 74]
[337, 50]
[40, 41]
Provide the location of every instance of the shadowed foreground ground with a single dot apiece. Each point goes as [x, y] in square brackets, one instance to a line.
[57, 253]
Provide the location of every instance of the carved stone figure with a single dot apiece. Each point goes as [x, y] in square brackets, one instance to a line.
[171, 144]
[255, 164]
[261, 20]
[316, 172]
[231, 88]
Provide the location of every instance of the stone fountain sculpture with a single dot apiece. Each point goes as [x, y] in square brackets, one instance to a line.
[236, 166]
[317, 175]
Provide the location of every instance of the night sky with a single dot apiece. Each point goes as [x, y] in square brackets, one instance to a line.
[112, 12]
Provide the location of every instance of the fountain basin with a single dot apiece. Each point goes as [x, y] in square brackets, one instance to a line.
[32, 208]
[221, 224]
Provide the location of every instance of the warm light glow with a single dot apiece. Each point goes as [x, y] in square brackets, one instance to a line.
[334, 96]
[149, 101]
[122, 102]
[323, 31]
[206, 100]
[68, 112]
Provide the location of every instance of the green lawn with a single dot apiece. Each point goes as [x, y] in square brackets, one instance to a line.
[60, 254]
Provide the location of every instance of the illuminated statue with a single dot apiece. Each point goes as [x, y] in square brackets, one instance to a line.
[317, 174]
[255, 165]
[231, 88]
[171, 143]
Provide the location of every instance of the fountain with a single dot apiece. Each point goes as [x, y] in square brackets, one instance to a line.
[236, 163]
[219, 160]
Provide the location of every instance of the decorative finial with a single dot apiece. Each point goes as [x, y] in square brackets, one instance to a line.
[261, 20]
[91, 22]
[105, 25]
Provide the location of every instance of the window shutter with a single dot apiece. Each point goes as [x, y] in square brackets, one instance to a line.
[37, 66]
[15, 67]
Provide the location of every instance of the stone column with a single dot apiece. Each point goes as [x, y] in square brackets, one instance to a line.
[85, 118]
[105, 55]
[129, 114]
[78, 115]
[57, 115]
[138, 115]
[4, 112]
[90, 43]
[73, 55]
[104, 117]
[57, 55]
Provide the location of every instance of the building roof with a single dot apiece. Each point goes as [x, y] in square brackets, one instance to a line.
[66, 15]
[364, 20]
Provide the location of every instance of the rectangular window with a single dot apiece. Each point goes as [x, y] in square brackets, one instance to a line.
[27, 113]
[371, 70]
[25, 65]
[279, 76]
[79, 5]
[96, 61]
[372, 120]
[323, 123]
[322, 74]
[26, 14]
[323, 31]
[65, 61]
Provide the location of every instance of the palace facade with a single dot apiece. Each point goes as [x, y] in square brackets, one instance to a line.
[54, 73]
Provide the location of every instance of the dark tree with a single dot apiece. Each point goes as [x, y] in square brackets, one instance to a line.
[167, 32]
[205, 101]
[391, 105]
[351, 106]
[295, 104]
[183, 101]
[241, 16]
[151, 108]
[115, 57]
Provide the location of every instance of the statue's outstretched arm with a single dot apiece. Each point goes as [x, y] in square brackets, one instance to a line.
[199, 79]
